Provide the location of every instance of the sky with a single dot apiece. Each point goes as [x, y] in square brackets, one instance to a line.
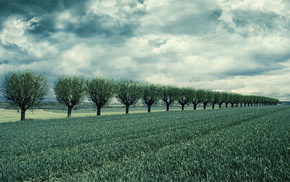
[240, 46]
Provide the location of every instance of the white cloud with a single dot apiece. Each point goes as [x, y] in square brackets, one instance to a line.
[13, 32]
[240, 46]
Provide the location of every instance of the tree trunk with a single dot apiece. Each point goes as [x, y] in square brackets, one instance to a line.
[237, 104]
[149, 107]
[99, 110]
[232, 104]
[69, 111]
[227, 105]
[182, 107]
[204, 105]
[127, 109]
[213, 106]
[167, 107]
[22, 114]
[220, 106]
[194, 106]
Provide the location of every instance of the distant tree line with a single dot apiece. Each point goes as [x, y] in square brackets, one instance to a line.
[26, 89]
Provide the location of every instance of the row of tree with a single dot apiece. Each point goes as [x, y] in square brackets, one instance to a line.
[27, 89]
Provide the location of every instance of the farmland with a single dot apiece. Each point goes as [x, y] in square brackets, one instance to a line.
[7, 115]
[234, 144]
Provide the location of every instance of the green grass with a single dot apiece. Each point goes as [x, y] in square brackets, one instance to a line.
[234, 144]
[7, 115]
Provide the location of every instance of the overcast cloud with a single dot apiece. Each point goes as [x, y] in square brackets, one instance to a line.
[240, 46]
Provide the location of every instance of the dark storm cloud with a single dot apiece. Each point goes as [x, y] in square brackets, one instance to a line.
[205, 44]
[270, 58]
[85, 24]
[4, 62]
[265, 21]
[97, 25]
[193, 24]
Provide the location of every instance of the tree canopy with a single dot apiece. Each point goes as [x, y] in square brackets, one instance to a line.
[151, 94]
[100, 91]
[128, 92]
[70, 90]
[25, 89]
[185, 96]
[169, 95]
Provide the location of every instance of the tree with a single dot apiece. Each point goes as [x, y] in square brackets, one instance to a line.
[195, 99]
[25, 89]
[217, 98]
[227, 98]
[238, 99]
[223, 99]
[70, 90]
[201, 95]
[232, 99]
[100, 91]
[128, 93]
[242, 100]
[205, 96]
[151, 94]
[169, 95]
[245, 100]
[185, 96]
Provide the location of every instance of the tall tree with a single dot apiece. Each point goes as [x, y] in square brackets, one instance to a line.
[70, 90]
[151, 94]
[185, 96]
[169, 95]
[25, 89]
[128, 93]
[100, 91]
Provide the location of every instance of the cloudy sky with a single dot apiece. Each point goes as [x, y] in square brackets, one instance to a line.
[240, 46]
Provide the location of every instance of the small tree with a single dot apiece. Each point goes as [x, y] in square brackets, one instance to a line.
[169, 95]
[217, 99]
[242, 100]
[128, 93]
[201, 95]
[185, 96]
[205, 96]
[25, 89]
[100, 91]
[232, 99]
[223, 99]
[70, 90]
[227, 98]
[151, 94]
[195, 99]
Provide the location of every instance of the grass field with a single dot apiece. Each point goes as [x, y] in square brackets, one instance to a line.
[234, 144]
[7, 115]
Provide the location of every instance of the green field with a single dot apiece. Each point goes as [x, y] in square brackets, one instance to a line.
[7, 115]
[234, 144]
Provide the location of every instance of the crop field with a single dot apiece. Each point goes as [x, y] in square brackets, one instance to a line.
[234, 144]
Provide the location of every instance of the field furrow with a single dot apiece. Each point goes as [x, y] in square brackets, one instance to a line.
[193, 145]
